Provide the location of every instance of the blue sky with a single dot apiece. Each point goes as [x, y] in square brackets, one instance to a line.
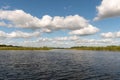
[60, 23]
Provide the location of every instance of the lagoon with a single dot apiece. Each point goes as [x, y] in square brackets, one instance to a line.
[59, 64]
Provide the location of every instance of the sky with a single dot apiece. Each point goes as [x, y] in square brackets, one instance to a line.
[60, 23]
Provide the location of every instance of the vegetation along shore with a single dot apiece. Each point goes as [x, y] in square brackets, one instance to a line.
[105, 48]
[11, 47]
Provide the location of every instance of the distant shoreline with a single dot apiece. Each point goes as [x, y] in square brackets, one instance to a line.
[106, 48]
[92, 48]
[10, 47]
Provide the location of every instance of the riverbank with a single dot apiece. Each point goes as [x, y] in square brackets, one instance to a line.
[93, 48]
[11, 47]
[23, 48]
[106, 48]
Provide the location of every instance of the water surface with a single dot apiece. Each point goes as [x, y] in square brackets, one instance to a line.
[59, 65]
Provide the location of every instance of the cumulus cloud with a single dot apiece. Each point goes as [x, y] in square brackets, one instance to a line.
[111, 35]
[66, 38]
[18, 18]
[61, 42]
[94, 41]
[76, 41]
[97, 42]
[70, 22]
[71, 38]
[3, 24]
[52, 42]
[45, 30]
[18, 34]
[21, 19]
[107, 9]
[85, 31]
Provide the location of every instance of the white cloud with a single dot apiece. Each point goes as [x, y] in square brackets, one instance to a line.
[70, 22]
[45, 30]
[21, 19]
[94, 41]
[108, 35]
[107, 9]
[70, 38]
[18, 34]
[3, 24]
[111, 35]
[44, 39]
[66, 38]
[61, 42]
[85, 31]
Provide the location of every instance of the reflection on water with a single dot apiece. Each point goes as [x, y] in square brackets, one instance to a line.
[59, 65]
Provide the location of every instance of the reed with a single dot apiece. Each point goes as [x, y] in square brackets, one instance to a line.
[10, 47]
[105, 48]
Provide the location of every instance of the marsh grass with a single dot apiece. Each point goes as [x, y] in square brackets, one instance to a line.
[106, 48]
[10, 47]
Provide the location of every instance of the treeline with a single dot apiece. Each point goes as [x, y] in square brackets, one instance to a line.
[3, 45]
[105, 48]
[11, 47]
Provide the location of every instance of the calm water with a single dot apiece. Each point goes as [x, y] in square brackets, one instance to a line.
[59, 65]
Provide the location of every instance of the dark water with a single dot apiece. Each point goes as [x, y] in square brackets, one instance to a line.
[59, 65]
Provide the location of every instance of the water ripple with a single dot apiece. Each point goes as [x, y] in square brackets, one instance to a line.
[59, 65]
